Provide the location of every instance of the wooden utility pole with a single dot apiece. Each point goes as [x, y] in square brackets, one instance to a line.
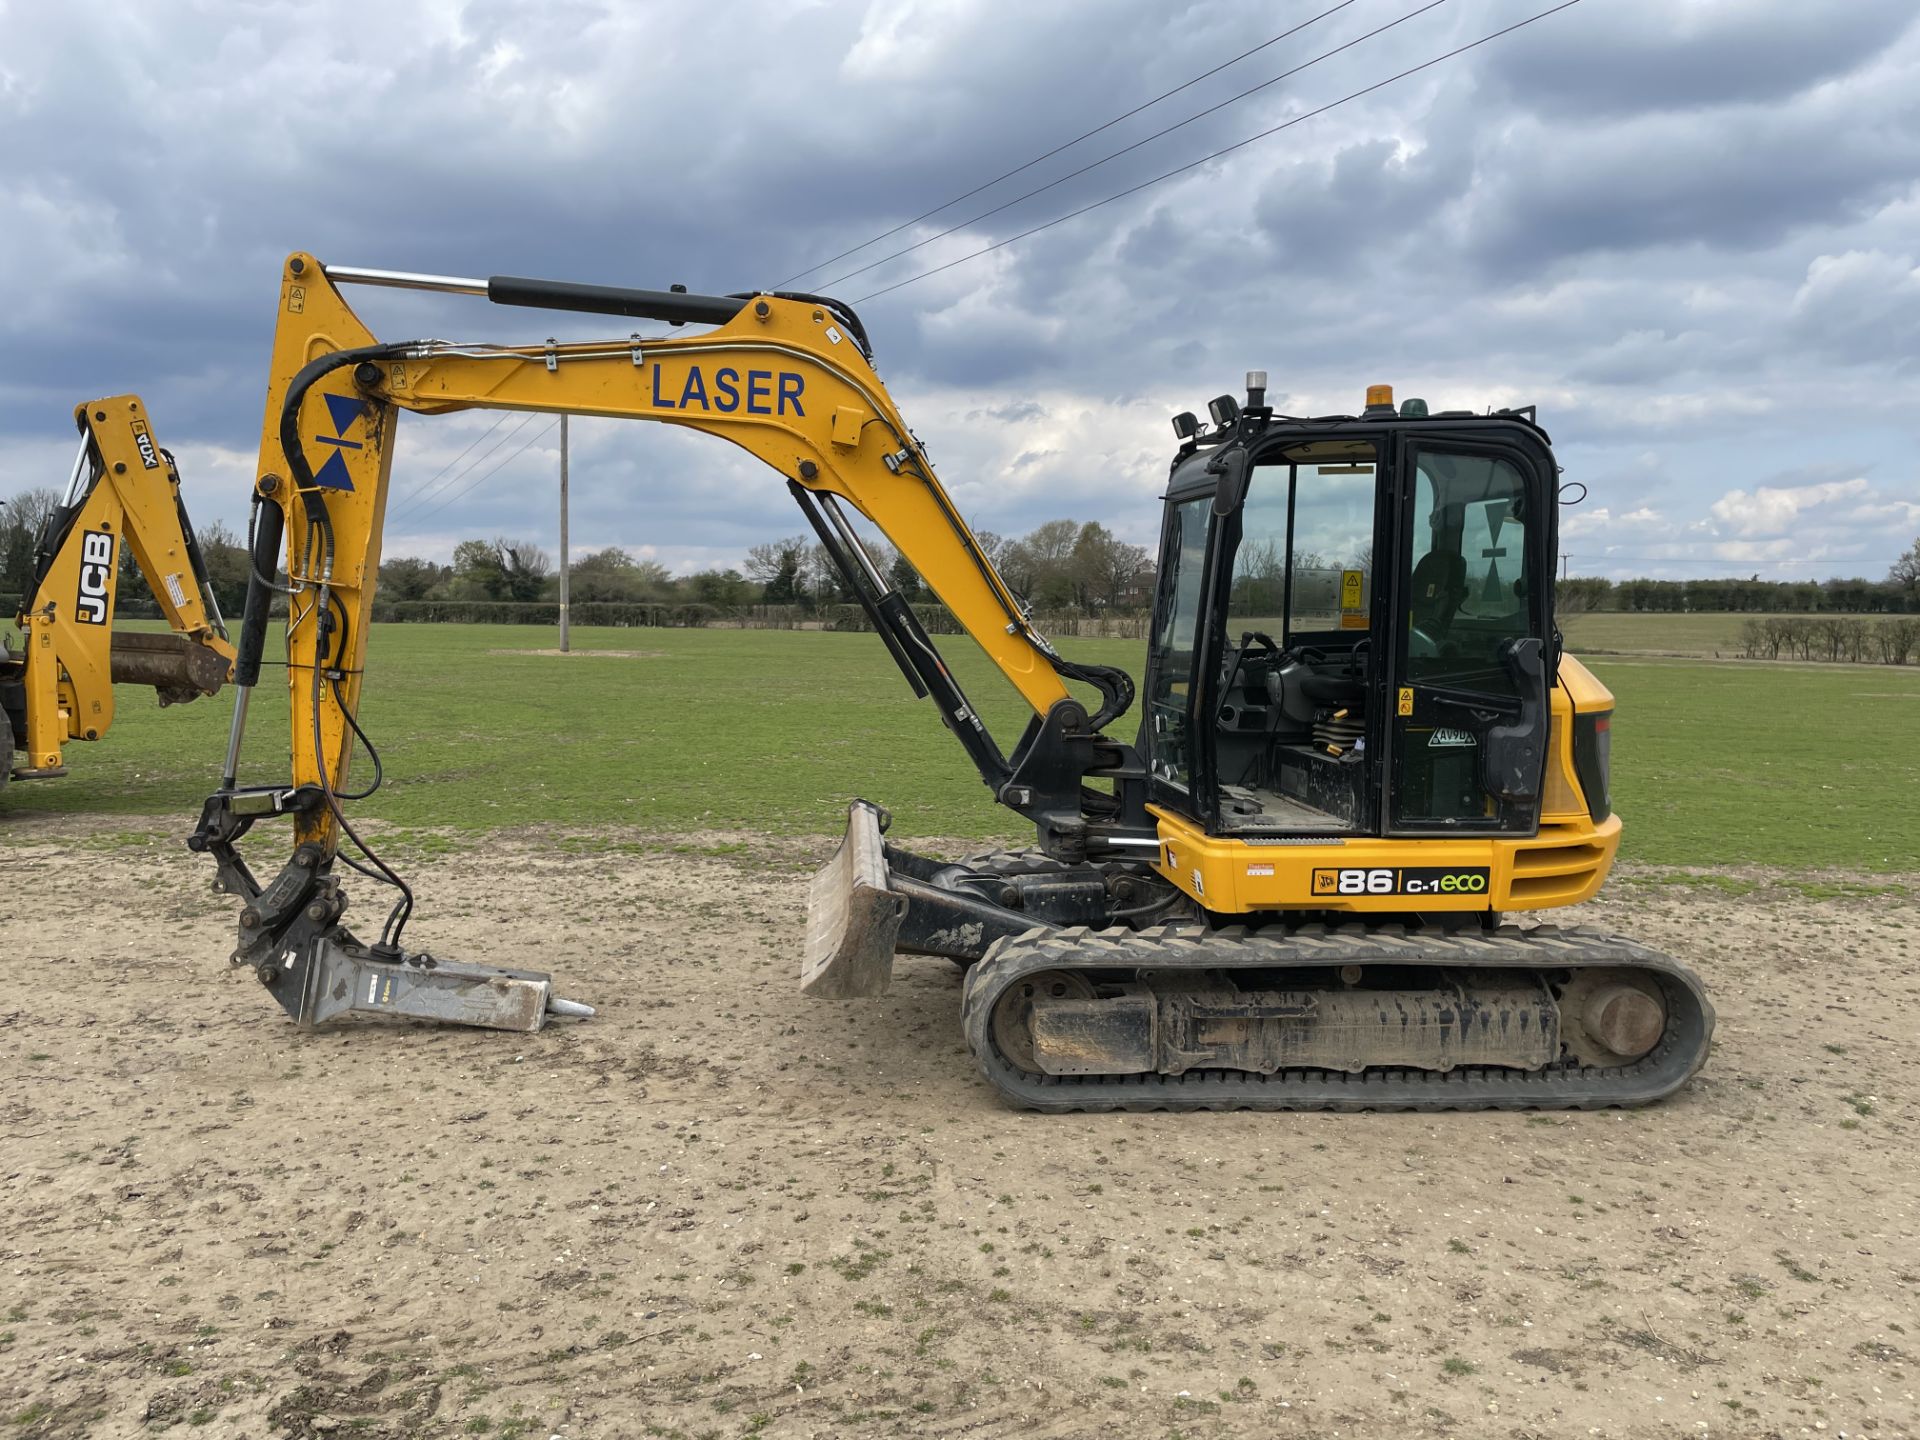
[565, 639]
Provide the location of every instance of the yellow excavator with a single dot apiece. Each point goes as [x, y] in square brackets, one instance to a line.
[1362, 744]
[124, 491]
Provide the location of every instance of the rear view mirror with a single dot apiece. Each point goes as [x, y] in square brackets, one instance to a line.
[1232, 468]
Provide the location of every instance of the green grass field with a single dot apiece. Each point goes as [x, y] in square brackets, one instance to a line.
[1608, 634]
[1714, 764]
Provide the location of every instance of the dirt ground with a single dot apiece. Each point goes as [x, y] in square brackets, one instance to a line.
[718, 1210]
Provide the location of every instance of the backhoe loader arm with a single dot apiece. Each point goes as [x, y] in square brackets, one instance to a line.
[124, 491]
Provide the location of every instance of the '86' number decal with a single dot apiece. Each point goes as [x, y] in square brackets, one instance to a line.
[1463, 880]
[1366, 882]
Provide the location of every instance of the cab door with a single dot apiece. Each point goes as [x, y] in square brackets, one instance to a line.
[1468, 723]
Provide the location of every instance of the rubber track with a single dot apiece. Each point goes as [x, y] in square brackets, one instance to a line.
[1679, 1055]
[1009, 864]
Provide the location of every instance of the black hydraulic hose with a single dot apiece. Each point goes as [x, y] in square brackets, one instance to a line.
[402, 910]
[1115, 687]
[340, 699]
[841, 310]
[268, 529]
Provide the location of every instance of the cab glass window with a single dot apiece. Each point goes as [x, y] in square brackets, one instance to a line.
[1469, 579]
[1182, 582]
[1305, 562]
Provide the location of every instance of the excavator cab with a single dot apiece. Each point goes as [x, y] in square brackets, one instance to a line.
[1352, 633]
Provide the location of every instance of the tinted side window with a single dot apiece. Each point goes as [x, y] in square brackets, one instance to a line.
[1468, 585]
[1169, 697]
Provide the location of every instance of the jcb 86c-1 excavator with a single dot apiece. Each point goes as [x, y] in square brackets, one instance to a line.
[1361, 742]
[124, 492]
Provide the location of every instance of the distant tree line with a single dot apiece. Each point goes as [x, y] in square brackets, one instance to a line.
[1064, 568]
[1898, 594]
[1894, 640]
[1062, 565]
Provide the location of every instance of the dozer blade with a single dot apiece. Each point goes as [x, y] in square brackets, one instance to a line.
[852, 917]
[178, 667]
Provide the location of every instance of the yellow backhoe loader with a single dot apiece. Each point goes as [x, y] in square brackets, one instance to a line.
[124, 491]
[1361, 744]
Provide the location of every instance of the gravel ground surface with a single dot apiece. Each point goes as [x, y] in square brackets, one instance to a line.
[718, 1210]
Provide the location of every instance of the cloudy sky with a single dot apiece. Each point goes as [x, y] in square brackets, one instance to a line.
[1686, 229]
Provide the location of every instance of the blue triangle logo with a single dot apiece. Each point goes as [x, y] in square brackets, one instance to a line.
[345, 409]
[333, 475]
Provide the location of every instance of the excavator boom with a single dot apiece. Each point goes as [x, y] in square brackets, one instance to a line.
[790, 379]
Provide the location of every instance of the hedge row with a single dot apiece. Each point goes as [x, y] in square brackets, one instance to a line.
[676, 614]
[1855, 597]
[1832, 637]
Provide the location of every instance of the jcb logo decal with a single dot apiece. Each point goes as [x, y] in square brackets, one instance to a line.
[1406, 880]
[96, 572]
[149, 456]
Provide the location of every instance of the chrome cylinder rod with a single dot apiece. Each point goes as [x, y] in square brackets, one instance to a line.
[831, 504]
[405, 280]
[231, 771]
[79, 470]
[213, 608]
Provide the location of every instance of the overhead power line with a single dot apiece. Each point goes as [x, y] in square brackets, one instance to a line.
[1215, 155]
[468, 489]
[1145, 140]
[1068, 145]
[417, 490]
[419, 497]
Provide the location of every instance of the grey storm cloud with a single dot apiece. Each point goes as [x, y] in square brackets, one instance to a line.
[1654, 55]
[1683, 227]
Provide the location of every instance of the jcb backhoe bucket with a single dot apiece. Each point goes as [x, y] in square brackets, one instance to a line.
[852, 917]
[178, 667]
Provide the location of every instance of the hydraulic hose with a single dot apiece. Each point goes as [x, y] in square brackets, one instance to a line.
[269, 529]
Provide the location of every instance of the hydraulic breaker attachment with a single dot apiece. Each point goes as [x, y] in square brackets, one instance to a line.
[292, 939]
[179, 668]
[334, 975]
[853, 917]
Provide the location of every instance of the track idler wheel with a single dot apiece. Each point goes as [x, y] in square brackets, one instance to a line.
[1611, 1017]
[1013, 1016]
